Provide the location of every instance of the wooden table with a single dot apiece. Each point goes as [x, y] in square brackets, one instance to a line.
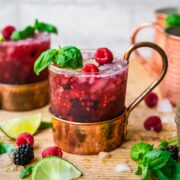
[91, 166]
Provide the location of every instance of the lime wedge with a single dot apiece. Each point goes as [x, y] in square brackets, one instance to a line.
[12, 128]
[55, 168]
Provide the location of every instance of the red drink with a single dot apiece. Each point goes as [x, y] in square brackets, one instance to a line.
[17, 59]
[80, 97]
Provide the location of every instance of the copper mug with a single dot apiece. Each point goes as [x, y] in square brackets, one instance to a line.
[160, 18]
[171, 44]
[159, 38]
[93, 137]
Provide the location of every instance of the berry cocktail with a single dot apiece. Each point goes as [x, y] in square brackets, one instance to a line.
[89, 89]
[82, 96]
[20, 88]
[17, 59]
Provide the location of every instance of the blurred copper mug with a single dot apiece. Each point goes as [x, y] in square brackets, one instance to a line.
[159, 37]
[160, 18]
[171, 85]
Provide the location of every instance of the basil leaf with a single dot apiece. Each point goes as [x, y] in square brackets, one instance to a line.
[176, 175]
[44, 60]
[70, 57]
[170, 168]
[45, 125]
[26, 32]
[139, 150]
[27, 171]
[160, 175]
[173, 20]
[67, 57]
[172, 142]
[156, 159]
[6, 148]
[163, 144]
[41, 27]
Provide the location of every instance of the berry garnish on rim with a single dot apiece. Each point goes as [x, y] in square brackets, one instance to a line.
[90, 68]
[10, 32]
[7, 32]
[103, 56]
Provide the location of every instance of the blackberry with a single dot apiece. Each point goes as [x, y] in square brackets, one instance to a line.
[23, 155]
[173, 150]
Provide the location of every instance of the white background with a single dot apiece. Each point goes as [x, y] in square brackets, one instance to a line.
[85, 23]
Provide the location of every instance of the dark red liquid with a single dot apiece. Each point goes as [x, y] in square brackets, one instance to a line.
[88, 98]
[17, 59]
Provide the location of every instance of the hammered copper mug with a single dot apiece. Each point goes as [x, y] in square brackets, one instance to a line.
[160, 18]
[159, 38]
[89, 137]
[171, 85]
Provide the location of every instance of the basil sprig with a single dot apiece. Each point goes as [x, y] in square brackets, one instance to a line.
[66, 57]
[41, 27]
[26, 32]
[173, 20]
[158, 162]
[27, 171]
[30, 30]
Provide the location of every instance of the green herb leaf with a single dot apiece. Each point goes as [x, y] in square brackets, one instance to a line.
[161, 175]
[67, 57]
[173, 20]
[27, 171]
[26, 32]
[6, 148]
[41, 27]
[163, 144]
[45, 59]
[70, 57]
[176, 174]
[156, 159]
[139, 150]
[169, 171]
[45, 125]
[172, 142]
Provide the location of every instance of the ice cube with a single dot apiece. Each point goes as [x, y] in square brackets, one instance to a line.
[167, 118]
[165, 106]
[102, 155]
[119, 66]
[122, 168]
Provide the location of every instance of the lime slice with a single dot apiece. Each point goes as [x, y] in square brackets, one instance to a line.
[55, 168]
[14, 127]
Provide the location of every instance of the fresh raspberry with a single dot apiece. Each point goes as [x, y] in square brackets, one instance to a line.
[7, 32]
[103, 56]
[90, 68]
[25, 138]
[151, 99]
[153, 123]
[52, 151]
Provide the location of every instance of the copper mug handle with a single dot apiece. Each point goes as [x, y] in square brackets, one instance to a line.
[127, 55]
[140, 58]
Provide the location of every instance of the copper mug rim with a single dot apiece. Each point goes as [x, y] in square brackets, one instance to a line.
[166, 10]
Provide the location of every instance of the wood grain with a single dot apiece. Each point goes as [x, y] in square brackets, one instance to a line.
[91, 166]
